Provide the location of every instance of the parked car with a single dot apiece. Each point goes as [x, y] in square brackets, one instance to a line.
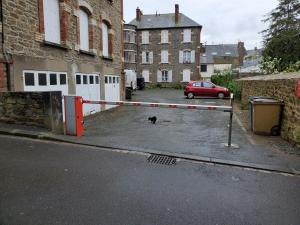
[205, 88]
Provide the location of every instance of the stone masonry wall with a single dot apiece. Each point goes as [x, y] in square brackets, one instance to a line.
[284, 88]
[41, 109]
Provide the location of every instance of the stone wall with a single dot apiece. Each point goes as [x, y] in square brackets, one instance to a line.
[282, 87]
[42, 109]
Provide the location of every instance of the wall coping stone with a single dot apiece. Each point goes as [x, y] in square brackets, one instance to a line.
[280, 76]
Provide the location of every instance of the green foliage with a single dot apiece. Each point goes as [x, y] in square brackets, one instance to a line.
[177, 86]
[226, 79]
[293, 67]
[270, 66]
[282, 38]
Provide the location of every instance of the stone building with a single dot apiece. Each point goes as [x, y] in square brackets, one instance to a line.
[73, 46]
[167, 47]
[221, 57]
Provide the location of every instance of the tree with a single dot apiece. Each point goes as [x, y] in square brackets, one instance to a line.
[282, 38]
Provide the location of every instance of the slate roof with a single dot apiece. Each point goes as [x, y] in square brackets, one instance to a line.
[212, 51]
[163, 21]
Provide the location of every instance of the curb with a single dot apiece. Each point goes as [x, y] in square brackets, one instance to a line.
[262, 167]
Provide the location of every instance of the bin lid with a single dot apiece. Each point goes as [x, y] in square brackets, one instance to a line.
[266, 101]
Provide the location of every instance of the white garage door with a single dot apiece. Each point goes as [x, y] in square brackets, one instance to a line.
[112, 89]
[46, 81]
[88, 86]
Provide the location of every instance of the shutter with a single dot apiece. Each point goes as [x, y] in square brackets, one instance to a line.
[151, 57]
[180, 56]
[159, 76]
[170, 78]
[110, 45]
[105, 41]
[146, 75]
[84, 30]
[143, 57]
[166, 36]
[51, 21]
[193, 56]
[186, 75]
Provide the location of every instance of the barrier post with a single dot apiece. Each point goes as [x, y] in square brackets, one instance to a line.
[230, 121]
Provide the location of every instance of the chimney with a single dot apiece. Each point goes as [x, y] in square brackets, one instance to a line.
[176, 13]
[138, 14]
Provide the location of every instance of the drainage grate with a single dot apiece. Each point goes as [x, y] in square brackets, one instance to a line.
[162, 159]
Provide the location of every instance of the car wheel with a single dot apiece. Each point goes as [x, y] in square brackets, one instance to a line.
[190, 95]
[221, 95]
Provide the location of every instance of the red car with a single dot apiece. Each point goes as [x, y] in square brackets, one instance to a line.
[205, 88]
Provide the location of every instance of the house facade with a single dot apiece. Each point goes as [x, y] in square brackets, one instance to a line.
[73, 46]
[220, 57]
[166, 48]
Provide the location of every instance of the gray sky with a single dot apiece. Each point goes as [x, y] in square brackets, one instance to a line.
[223, 21]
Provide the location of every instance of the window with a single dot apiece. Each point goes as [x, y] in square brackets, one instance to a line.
[130, 56]
[42, 77]
[129, 36]
[110, 80]
[114, 80]
[145, 37]
[105, 40]
[84, 79]
[91, 79]
[117, 80]
[197, 84]
[52, 21]
[84, 30]
[63, 79]
[164, 56]
[147, 57]
[106, 80]
[97, 80]
[207, 84]
[29, 79]
[78, 79]
[187, 35]
[53, 79]
[164, 75]
[145, 74]
[164, 36]
[203, 68]
[186, 75]
[186, 56]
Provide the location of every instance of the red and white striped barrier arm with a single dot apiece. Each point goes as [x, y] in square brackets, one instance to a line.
[161, 105]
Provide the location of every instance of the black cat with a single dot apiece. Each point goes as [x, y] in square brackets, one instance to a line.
[152, 119]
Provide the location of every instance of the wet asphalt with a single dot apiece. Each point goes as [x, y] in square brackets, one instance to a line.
[46, 183]
[190, 132]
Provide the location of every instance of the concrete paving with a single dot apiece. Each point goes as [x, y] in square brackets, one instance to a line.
[187, 132]
[45, 183]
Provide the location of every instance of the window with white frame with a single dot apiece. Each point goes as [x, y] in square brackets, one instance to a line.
[164, 75]
[52, 21]
[84, 30]
[187, 56]
[129, 36]
[145, 37]
[186, 75]
[105, 40]
[145, 74]
[164, 36]
[164, 56]
[147, 57]
[187, 35]
[129, 56]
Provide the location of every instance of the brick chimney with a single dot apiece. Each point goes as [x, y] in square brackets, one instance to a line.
[176, 13]
[138, 14]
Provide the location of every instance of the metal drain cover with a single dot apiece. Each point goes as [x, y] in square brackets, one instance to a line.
[162, 159]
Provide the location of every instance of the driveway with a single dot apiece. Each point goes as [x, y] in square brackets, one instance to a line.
[188, 132]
